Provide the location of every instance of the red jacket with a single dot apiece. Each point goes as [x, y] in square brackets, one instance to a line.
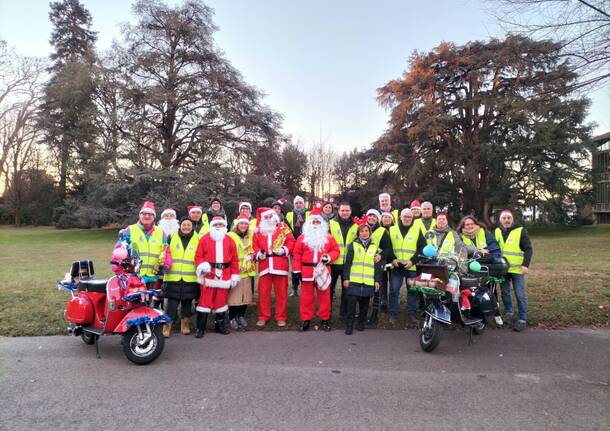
[210, 252]
[272, 264]
[303, 255]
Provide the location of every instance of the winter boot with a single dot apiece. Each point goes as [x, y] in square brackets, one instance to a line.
[374, 319]
[167, 329]
[202, 320]
[219, 324]
[326, 325]
[185, 328]
[304, 326]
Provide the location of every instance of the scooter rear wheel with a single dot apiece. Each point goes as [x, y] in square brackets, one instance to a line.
[430, 335]
[147, 353]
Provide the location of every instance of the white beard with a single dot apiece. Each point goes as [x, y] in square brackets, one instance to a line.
[267, 227]
[218, 233]
[169, 226]
[315, 236]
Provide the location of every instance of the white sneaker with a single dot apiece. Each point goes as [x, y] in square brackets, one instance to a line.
[498, 320]
[233, 323]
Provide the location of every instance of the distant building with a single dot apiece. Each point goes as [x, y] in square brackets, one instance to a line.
[601, 178]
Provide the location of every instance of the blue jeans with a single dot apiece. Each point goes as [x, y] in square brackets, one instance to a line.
[518, 281]
[398, 276]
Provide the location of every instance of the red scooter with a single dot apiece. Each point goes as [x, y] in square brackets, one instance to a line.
[114, 306]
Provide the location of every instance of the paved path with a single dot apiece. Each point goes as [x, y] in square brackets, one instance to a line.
[314, 381]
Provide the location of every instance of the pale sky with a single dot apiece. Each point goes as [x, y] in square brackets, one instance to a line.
[318, 62]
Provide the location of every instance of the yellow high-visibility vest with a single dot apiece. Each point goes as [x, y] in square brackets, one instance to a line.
[149, 249]
[183, 260]
[511, 249]
[244, 246]
[405, 247]
[335, 231]
[363, 265]
[448, 246]
[377, 235]
[422, 227]
[290, 218]
[479, 240]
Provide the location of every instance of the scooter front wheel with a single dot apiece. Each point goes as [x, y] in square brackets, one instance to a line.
[88, 337]
[142, 354]
[430, 335]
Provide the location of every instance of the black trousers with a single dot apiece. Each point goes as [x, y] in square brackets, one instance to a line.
[363, 304]
[237, 311]
[186, 308]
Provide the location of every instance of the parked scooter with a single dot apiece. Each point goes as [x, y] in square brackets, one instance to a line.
[454, 292]
[114, 306]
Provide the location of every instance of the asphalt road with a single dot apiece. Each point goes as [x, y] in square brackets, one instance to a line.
[314, 381]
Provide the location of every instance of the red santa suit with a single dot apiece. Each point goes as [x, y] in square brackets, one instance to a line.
[307, 253]
[272, 251]
[217, 266]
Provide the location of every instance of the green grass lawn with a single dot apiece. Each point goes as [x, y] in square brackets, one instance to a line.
[569, 282]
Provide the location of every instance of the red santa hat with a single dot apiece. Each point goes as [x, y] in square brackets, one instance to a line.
[148, 208]
[192, 208]
[262, 212]
[506, 213]
[245, 204]
[415, 205]
[316, 214]
[168, 211]
[216, 220]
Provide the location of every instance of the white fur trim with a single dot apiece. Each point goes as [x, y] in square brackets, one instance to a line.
[203, 309]
[203, 268]
[220, 251]
[278, 272]
[235, 277]
[220, 284]
[269, 211]
[221, 309]
[245, 204]
[298, 199]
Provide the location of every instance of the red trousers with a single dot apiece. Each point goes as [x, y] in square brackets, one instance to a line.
[309, 291]
[279, 283]
[212, 299]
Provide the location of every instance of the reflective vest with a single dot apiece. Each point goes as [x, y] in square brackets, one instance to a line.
[405, 247]
[479, 240]
[290, 219]
[243, 248]
[511, 249]
[335, 231]
[423, 229]
[149, 249]
[448, 245]
[377, 235]
[363, 265]
[183, 261]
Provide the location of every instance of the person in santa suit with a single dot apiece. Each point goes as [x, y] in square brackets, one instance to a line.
[217, 269]
[272, 244]
[315, 245]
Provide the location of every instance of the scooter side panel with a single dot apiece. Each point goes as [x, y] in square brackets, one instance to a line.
[439, 312]
[137, 313]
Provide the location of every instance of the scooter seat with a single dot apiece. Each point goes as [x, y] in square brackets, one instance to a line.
[93, 286]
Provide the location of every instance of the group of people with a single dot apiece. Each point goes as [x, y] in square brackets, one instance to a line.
[200, 259]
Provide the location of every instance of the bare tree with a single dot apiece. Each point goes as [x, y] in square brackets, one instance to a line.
[320, 169]
[581, 26]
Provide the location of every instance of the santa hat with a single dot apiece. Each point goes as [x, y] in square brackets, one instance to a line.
[245, 204]
[241, 219]
[192, 208]
[384, 195]
[298, 199]
[216, 220]
[415, 205]
[406, 211]
[148, 208]
[262, 212]
[389, 214]
[315, 214]
[168, 211]
[280, 202]
[374, 212]
[506, 213]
